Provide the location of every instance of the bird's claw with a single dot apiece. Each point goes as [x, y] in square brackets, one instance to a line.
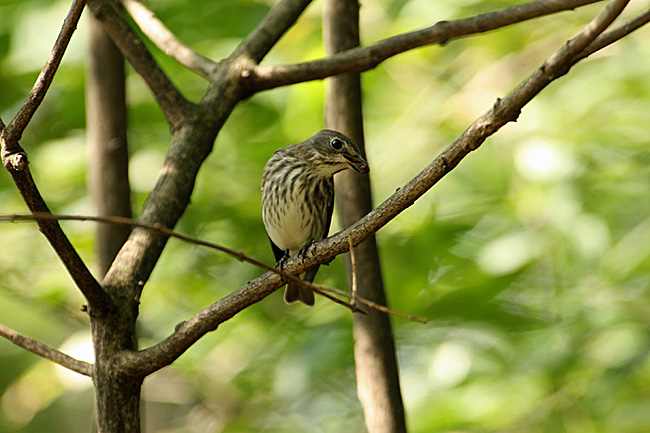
[282, 261]
[303, 251]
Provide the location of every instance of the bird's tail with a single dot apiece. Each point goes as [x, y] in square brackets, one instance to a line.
[295, 293]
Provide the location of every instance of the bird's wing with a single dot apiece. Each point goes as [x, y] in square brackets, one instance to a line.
[277, 252]
[330, 210]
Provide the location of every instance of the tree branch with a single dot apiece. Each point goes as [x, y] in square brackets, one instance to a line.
[276, 23]
[83, 278]
[16, 162]
[366, 58]
[172, 102]
[13, 132]
[164, 39]
[47, 352]
[613, 35]
[504, 111]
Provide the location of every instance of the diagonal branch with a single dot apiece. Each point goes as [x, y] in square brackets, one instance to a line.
[81, 275]
[366, 58]
[271, 29]
[47, 352]
[160, 35]
[174, 105]
[13, 132]
[15, 161]
[504, 110]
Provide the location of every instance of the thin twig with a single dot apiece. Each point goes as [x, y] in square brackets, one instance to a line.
[369, 303]
[47, 352]
[14, 130]
[160, 35]
[159, 229]
[320, 289]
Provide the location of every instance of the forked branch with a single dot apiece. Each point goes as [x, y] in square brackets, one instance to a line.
[174, 105]
[160, 35]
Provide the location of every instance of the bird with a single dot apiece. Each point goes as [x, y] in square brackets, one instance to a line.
[298, 198]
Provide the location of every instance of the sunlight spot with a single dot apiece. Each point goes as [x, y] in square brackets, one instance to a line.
[291, 378]
[616, 346]
[450, 364]
[592, 235]
[80, 347]
[540, 160]
[143, 169]
[507, 254]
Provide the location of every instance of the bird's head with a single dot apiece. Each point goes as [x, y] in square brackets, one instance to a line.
[330, 152]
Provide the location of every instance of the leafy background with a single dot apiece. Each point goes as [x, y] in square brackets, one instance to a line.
[530, 260]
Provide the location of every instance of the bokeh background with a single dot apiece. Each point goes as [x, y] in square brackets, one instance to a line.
[530, 260]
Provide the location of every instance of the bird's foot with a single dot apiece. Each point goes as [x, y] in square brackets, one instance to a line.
[282, 261]
[303, 251]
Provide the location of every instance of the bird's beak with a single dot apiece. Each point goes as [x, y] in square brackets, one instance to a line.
[356, 162]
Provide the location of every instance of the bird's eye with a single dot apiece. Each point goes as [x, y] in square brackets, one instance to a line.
[336, 144]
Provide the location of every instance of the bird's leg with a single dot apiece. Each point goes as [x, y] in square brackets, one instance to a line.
[303, 251]
[280, 264]
[283, 260]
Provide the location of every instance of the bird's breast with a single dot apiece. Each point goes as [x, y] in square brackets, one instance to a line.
[297, 212]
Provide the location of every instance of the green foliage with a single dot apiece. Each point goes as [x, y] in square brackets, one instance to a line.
[530, 260]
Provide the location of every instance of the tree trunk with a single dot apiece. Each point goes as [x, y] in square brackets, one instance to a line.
[108, 176]
[374, 349]
[118, 396]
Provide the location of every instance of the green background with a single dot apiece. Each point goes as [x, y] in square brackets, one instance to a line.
[530, 260]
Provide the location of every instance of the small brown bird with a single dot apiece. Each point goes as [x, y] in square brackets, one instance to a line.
[298, 197]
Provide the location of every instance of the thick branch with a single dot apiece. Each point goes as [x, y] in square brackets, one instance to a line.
[504, 111]
[160, 35]
[366, 58]
[47, 352]
[173, 104]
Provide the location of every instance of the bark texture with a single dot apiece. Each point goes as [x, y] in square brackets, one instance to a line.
[374, 347]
